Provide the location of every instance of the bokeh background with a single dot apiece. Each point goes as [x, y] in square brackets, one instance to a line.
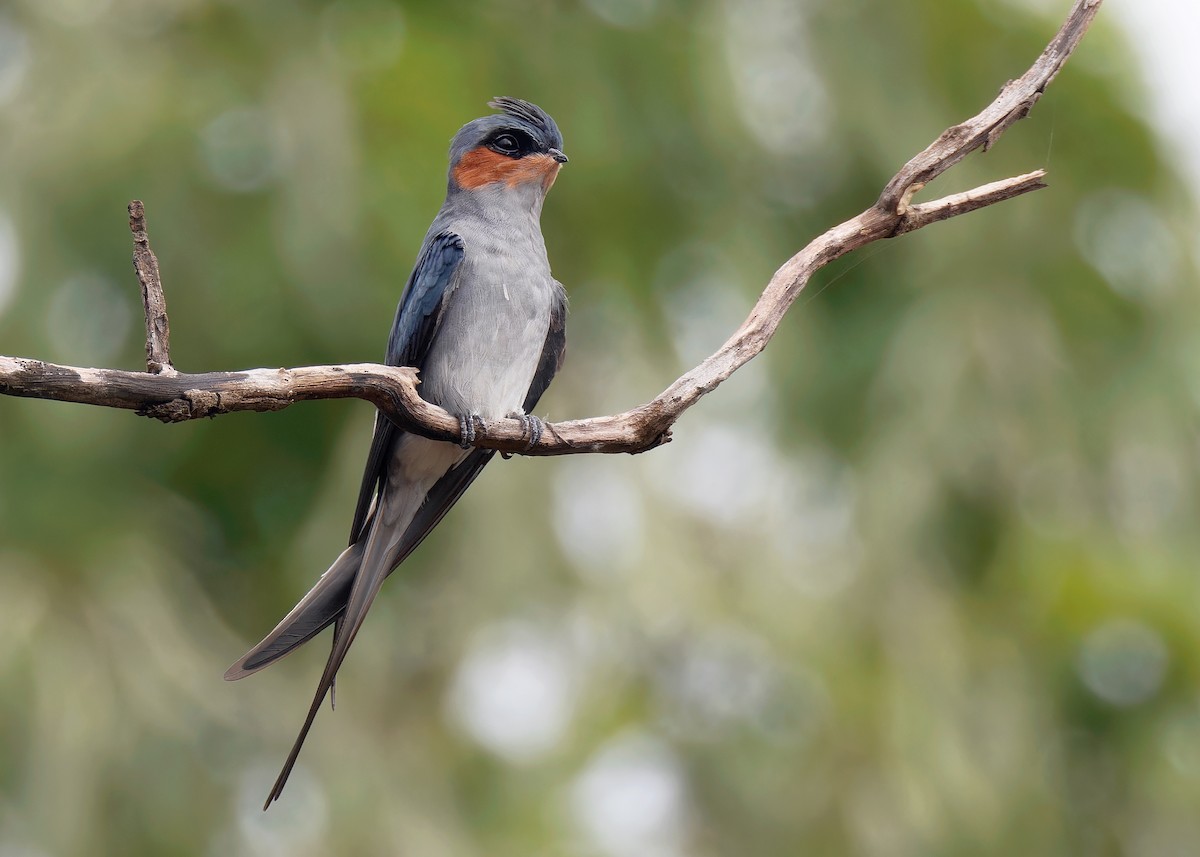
[920, 580]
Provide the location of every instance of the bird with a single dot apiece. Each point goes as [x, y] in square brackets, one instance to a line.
[483, 320]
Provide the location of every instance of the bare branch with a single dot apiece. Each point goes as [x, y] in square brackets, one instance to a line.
[922, 214]
[145, 263]
[1014, 102]
[180, 397]
[174, 397]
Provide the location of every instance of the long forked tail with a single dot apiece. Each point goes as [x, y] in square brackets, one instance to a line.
[345, 592]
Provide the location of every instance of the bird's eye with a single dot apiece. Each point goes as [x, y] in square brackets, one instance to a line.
[506, 144]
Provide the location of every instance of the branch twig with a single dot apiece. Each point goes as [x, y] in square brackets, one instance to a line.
[173, 397]
[145, 263]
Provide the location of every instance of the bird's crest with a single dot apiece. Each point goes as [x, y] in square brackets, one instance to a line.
[526, 112]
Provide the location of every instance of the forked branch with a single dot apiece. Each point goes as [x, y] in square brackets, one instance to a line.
[172, 396]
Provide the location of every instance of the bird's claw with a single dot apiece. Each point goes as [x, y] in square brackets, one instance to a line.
[530, 425]
[468, 427]
[536, 428]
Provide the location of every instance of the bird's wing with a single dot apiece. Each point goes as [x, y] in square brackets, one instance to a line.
[553, 352]
[416, 322]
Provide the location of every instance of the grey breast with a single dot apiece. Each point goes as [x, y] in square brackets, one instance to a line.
[495, 320]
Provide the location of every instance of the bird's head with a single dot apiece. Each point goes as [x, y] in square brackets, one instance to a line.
[518, 148]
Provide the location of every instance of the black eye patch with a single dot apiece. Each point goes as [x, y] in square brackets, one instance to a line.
[512, 144]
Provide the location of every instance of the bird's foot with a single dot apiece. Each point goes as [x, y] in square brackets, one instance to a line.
[531, 425]
[469, 426]
[536, 428]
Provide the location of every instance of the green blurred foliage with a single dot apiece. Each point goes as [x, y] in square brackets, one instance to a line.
[920, 580]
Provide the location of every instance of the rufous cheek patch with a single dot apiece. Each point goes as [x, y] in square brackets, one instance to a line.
[481, 166]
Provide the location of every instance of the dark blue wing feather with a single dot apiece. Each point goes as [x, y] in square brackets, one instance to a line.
[553, 352]
[417, 319]
[420, 306]
[412, 332]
